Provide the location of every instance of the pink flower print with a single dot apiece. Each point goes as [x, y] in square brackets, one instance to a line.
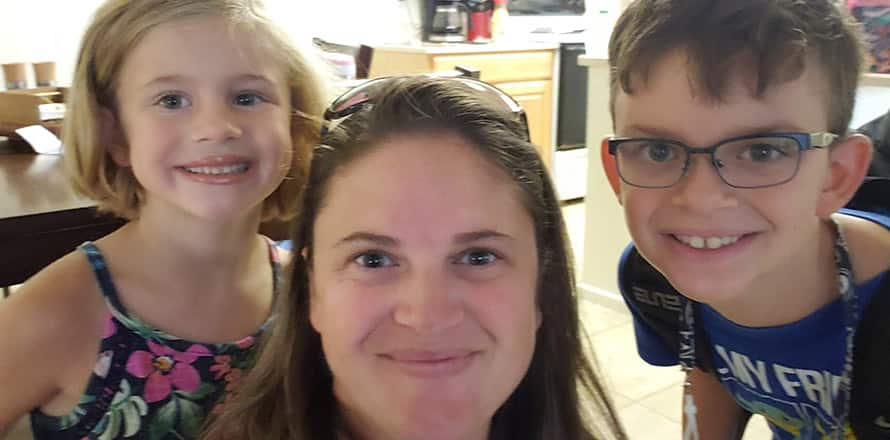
[110, 328]
[246, 343]
[222, 366]
[233, 379]
[166, 369]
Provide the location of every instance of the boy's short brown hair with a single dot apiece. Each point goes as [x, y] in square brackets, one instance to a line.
[771, 39]
[117, 27]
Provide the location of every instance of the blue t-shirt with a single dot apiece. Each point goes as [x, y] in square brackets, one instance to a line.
[789, 374]
[783, 373]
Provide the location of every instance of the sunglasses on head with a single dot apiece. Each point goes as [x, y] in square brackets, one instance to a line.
[363, 96]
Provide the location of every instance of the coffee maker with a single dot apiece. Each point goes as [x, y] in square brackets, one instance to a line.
[446, 21]
[457, 21]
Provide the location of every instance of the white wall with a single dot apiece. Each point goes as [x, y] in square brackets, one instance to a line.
[41, 30]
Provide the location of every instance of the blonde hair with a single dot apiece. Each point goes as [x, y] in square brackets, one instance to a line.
[117, 27]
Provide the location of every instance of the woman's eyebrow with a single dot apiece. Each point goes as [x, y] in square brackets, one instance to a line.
[468, 237]
[362, 236]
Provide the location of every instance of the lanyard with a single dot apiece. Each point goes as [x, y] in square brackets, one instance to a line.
[841, 402]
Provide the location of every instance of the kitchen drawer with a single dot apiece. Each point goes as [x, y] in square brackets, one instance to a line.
[502, 67]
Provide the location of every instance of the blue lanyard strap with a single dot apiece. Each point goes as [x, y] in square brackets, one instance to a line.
[849, 298]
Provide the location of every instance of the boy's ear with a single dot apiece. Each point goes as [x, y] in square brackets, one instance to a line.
[610, 167]
[113, 138]
[849, 160]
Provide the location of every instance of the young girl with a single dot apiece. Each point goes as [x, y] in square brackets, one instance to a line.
[432, 293]
[193, 119]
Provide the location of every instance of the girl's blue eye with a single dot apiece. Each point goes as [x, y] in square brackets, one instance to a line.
[247, 99]
[373, 260]
[172, 101]
[477, 258]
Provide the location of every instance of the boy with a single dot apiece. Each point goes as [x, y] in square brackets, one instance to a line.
[731, 160]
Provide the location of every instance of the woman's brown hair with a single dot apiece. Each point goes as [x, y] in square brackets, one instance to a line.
[288, 394]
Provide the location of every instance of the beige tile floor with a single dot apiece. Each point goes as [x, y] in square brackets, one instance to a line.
[647, 398]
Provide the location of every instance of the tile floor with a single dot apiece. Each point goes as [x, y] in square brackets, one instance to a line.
[647, 398]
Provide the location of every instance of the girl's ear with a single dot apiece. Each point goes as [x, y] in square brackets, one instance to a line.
[113, 138]
[849, 160]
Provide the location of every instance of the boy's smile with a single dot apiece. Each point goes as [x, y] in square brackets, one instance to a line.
[701, 242]
[718, 244]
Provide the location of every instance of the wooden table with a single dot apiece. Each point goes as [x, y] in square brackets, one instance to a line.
[41, 218]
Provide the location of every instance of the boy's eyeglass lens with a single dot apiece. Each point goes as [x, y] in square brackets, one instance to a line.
[362, 96]
[745, 162]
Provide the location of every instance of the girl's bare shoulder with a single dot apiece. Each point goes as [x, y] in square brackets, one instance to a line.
[49, 324]
[59, 305]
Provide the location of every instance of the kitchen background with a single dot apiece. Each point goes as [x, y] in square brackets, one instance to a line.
[648, 397]
[41, 30]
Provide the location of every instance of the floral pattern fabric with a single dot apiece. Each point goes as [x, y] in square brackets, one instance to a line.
[147, 384]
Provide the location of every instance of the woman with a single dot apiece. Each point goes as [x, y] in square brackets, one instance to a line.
[432, 293]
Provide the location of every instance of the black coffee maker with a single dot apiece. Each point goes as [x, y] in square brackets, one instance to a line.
[445, 21]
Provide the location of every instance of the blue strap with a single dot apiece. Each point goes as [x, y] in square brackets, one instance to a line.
[100, 270]
[877, 217]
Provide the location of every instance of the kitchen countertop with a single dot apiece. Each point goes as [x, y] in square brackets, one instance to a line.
[460, 48]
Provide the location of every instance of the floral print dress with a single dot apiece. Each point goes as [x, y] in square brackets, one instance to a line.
[147, 384]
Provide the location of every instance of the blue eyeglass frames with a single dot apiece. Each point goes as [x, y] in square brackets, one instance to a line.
[753, 161]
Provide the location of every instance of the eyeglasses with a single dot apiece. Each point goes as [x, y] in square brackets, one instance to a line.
[755, 161]
[362, 97]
